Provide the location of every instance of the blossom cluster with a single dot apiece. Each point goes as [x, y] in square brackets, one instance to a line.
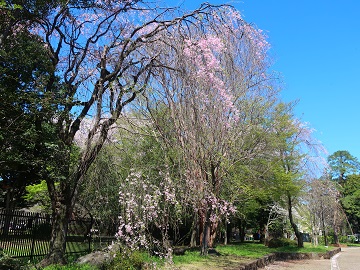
[219, 209]
[145, 205]
[204, 54]
[258, 41]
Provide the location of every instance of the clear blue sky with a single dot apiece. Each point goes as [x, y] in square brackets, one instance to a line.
[316, 48]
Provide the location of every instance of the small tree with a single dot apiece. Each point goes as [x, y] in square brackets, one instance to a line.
[297, 154]
[276, 214]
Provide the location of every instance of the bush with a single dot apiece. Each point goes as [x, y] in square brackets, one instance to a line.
[8, 263]
[281, 242]
[134, 261]
[346, 239]
[276, 229]
[330, 240]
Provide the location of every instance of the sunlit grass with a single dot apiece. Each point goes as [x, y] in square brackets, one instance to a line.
[308, 248]
[246, 251]
[353, 245]
[189, 257]
[249, 250]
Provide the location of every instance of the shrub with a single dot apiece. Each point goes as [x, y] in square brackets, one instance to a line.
[330, 240]
[281, 242]
[134, 261]
[8, 263]
[346, 239]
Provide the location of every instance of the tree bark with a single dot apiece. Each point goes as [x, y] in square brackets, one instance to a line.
[205, 235]
[205, 240]
[266, 238]
[335, 226]
[213, 226]
[225, 237]
[194, 231]
[299, 236]
[323, 225]
[60, 219]
[62, 205]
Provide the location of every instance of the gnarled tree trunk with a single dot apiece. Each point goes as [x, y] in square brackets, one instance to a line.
[58, 236]
[62, 209]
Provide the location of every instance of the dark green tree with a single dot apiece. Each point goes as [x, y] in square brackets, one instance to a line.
[351, 200]
[342, 164]
[27, 108]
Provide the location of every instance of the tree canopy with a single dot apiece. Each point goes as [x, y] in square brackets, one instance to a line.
[342, 164]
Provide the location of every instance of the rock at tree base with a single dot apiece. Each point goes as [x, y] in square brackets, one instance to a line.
[97, 258]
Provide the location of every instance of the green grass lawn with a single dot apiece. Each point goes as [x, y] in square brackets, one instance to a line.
[354, 245]
[19, 249]
[308, 247]
[235, 254]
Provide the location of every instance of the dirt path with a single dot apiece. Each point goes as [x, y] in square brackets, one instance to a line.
[300, 265]
[347, 259]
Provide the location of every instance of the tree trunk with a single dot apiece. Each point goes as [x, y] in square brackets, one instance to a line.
[9, 208]
[194, 231]
[266, 239]
[7, 222]
[323, 226]
[228, 232]
[193, 238]
[205, 240]
[213, 226]
[315, 231]
[60, 219]
[298, 234]
[335, 226]
[205, 236]
[242, 231]
[62, 208]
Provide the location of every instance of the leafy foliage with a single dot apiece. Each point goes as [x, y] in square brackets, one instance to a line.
[136, 260]
[27, 137]
[281, 242]
[342, 164]
[351, 200]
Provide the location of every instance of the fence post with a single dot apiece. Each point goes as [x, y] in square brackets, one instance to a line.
[33, 236]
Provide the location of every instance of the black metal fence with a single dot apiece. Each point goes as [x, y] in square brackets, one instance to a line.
[26, 234]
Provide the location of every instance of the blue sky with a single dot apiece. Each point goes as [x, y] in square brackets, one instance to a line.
[316, 48]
